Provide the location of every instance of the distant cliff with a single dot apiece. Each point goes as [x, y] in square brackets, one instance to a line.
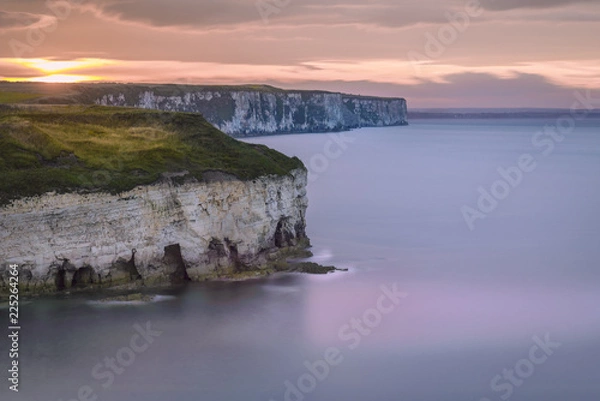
[256, 110]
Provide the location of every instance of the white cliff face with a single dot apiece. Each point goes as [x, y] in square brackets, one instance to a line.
[254, 112]
[232, 224]
[270, 113]
[375, 112]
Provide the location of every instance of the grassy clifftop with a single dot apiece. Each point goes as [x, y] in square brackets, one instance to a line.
[79, 148]
[88, 93]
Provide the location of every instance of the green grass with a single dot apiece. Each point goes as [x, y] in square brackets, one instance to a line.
[16, 97]
[81, 148]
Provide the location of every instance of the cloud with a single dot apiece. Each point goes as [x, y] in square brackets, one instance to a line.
[223, 13]
[204, 15]
[13, 20]
[233, 14]
[460, 90]
[561, 16]
[160, 13]
[501, 5]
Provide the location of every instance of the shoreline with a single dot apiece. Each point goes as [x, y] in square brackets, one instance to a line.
[145, 293]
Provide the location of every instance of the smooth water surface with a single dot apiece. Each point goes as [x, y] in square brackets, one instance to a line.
[387, 205]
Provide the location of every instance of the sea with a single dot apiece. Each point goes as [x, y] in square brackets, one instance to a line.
[473, 257]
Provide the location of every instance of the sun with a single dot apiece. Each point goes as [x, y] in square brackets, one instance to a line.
[56, 71]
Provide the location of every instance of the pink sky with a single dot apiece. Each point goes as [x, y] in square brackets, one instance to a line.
[502, 53]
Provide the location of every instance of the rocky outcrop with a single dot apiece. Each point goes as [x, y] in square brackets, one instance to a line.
[168, 231]
[257, 110]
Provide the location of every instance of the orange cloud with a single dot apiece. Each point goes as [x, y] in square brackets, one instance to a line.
[392, 71]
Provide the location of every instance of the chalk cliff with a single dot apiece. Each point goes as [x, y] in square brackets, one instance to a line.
[157, 233]
[257, 110]
[104, 197]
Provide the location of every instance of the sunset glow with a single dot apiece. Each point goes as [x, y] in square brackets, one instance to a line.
[55, 71]
[55, 66]
[60, 78]
[529, 53]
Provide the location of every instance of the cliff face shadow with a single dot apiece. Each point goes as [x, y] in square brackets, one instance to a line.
[60, 280]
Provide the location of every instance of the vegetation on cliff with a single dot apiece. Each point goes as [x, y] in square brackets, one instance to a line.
[88, 93]
[92, 148]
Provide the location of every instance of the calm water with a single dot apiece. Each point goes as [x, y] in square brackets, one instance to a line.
[388, 207]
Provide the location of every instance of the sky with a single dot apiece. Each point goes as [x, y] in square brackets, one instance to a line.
[434, 53]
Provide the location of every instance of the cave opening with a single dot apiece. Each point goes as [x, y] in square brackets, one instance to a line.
[83, 277]
[174, 259]
[283, 237]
